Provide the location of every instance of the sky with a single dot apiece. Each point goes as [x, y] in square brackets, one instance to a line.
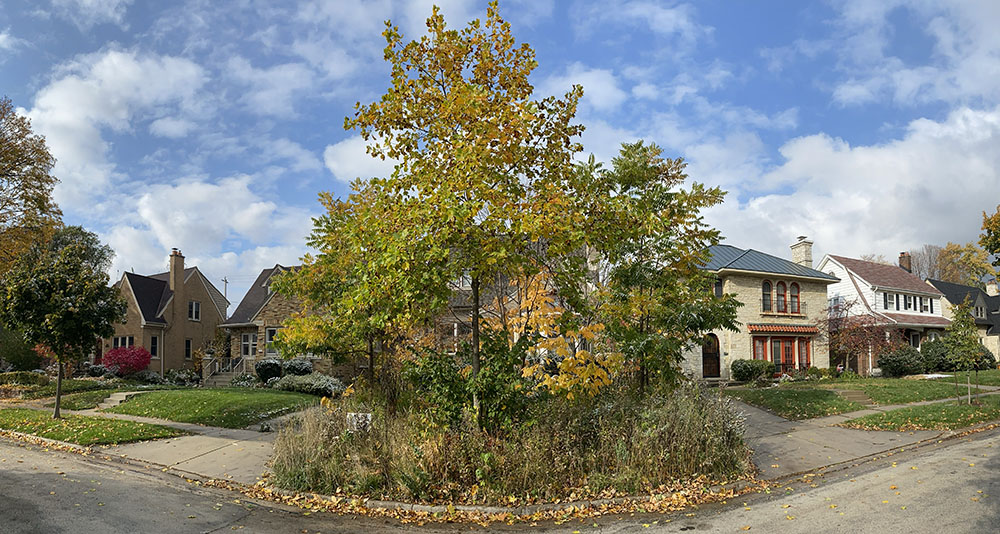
[872, 127]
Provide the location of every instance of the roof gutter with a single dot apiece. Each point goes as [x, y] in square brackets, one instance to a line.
[905, 290]
[783, 275]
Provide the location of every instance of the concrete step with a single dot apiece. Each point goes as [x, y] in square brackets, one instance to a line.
[857, 396]
[220, 379]
[117, 398]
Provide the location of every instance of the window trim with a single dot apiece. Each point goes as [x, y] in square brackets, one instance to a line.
[794, 300]
[154, 347]
[766, 301]
[188, 348]
[269, 347]
[194, 310]
[781, 297]
[248, 344]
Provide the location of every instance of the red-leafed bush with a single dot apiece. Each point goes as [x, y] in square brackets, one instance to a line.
[128, 360]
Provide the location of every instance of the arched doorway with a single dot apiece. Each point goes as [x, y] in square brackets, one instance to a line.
[710, 367]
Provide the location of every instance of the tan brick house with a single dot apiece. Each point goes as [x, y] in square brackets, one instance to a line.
[256, 322]
[783, 301]
[171, 314]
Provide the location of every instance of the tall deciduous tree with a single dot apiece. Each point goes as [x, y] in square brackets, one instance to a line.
[653, 235]
[990, 238]
[964, 264]
[924, 262]
[27, 211]
[58, 295]
[482, 165]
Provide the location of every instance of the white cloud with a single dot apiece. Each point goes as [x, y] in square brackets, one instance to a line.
[929, 186]
[271, 90]
[88, 13]
[677, 23]
[600, 86]
[171, 127]
[347, 160]
[457, 13]
[10, 43]
[645, 90]
[110, 89]
[288, 150]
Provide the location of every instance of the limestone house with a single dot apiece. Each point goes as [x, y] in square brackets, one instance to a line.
[171, 314]
[254, 325]
[985, 308]
[783, 301]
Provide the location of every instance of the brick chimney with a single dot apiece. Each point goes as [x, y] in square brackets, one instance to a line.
[991, 288]
[904, 262]
[176, 275]
[802, 252]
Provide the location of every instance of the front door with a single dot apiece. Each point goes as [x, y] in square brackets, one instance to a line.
[710, 367]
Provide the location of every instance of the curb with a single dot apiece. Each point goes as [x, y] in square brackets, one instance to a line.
[38, 440]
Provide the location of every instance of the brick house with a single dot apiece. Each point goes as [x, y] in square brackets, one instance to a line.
[171, 314]
[783, 302]
[257, 320]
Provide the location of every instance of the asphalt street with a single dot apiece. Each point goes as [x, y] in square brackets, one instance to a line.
[948, 487]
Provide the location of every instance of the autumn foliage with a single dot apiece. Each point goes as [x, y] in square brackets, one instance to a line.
[128, 360]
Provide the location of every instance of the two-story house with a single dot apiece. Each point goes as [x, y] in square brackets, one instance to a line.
[984, 305]
[783, 302]
[171, 314]
[890, 294]
[255, 324]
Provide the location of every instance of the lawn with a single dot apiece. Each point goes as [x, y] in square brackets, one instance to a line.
[986, 378]
[85, 400]
[938, 416]
[69, 385]
[897, 391]
[79, 429]
[229, 408]
[796, 402]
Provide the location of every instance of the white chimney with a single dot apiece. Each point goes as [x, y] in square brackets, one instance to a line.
[991, 288]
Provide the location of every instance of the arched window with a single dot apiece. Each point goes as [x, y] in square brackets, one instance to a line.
[779, 298]
[765, 296]
[793, 294]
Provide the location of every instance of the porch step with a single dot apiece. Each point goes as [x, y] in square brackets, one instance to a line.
[220, 379]
[117, 398]
[855, 395]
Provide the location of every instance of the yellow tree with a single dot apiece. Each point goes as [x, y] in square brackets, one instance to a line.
[964, 264]
[483, 166]
[990, 238]
[27, 213]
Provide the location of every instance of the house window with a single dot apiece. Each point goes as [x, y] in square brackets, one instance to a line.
[779, 298]
[885, 301]
[793, 291]
[154, 347]
[915, 340]
[759, 348]
[921, 306]
[765, 294]
[269, 335]
[187, 349]
[249, 345]
[194, 310]
[980, 312]
[123, 341]
[718, 287]
[908, 303]
[804, 354]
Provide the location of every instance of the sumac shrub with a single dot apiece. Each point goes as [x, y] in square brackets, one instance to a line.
[750, 370]
[901, 362]
[267, 369]
[298, 366]
[128, 360]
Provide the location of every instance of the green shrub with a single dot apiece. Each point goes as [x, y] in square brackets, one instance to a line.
[244, 380]
[613, 442]
[182, 377]
[267, 369]
[16, 353]
[314, 384]
[146, 377]
[437, 376]
[935, 356]
[985, 360]
[750, 370]
[901, 362]
[298, 366]
[24, 378]
[815, 373]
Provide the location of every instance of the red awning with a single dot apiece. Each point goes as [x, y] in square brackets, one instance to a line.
[782, 329]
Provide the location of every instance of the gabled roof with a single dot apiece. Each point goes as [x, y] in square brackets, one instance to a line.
[886, 276]
[957, 293]
[729, 257]
[221, 302]
[256, 297]
[149, 292]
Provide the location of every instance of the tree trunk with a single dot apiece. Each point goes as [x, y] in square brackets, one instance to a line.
[371, 361]
[477, 404]
[59, 377]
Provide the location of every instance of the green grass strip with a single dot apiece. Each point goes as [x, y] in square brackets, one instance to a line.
[82, 430]
[228, 408]
[796, 403]
[937, 416]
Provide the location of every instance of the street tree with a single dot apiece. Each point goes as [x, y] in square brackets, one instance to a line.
[659, 301]
[482, 166]
[57, 295]
[962, 341]
[27, 212]
[858, 335]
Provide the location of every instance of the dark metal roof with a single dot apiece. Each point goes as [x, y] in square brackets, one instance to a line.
[730, 257]
[957, 293]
